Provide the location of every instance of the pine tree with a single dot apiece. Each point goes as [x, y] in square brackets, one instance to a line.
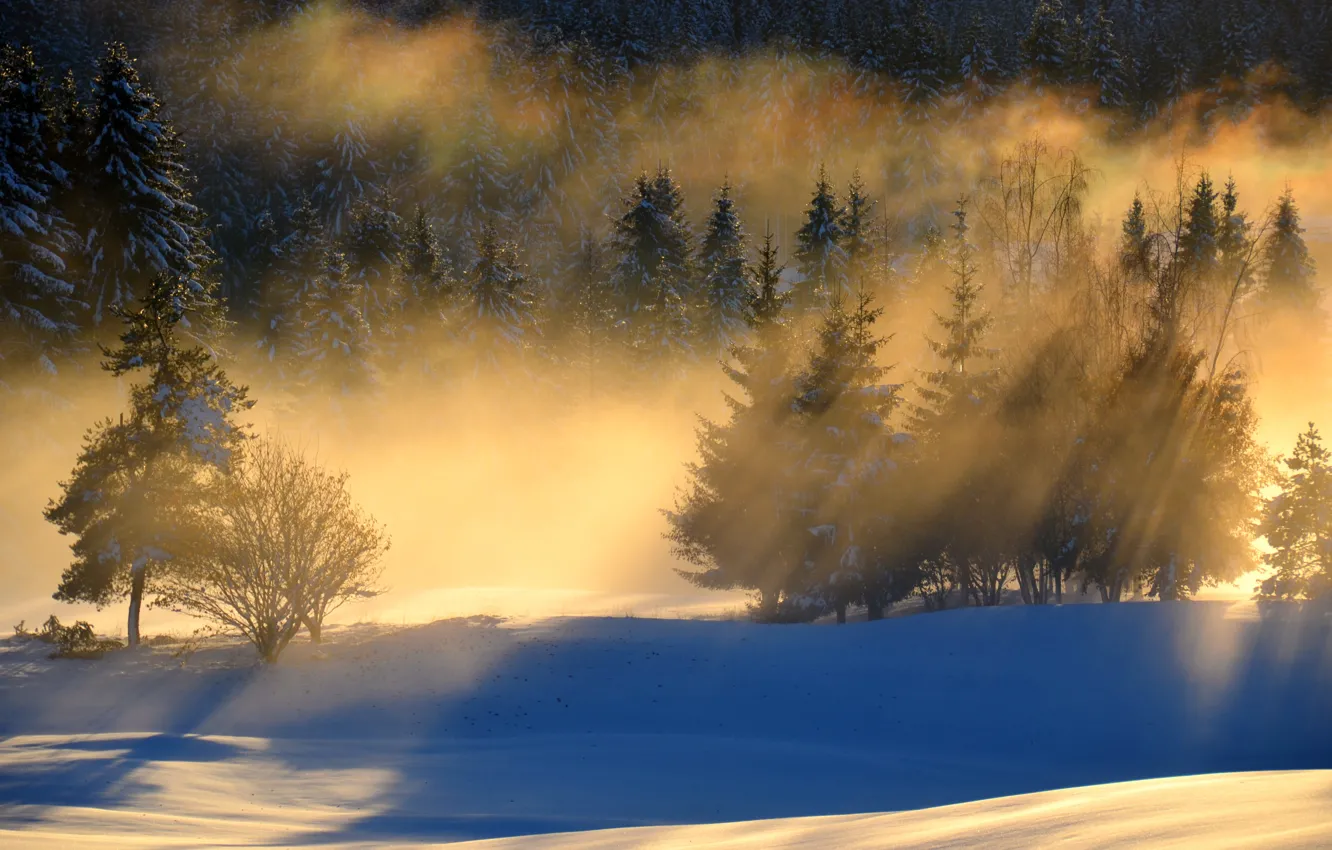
[1297, 523]
[855, 224]
[372, 242]
[1108, 70]
[844, 408]
[498, 318]
[422, 266]
[737, 522]
[725, 291]
[135, 477]
[479, 188]
[346, 171]
[297, 260]
[819, 255]
[333, 344]
[144, 223]
[1134, 245]
[954, 393]
[37, 298]
[979, 73]
[1198, 247]
[1046, 47]
[1233, 243]
[1288, 270]
[651, 274]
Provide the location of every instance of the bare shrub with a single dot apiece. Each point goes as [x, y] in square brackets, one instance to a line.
[279, 546]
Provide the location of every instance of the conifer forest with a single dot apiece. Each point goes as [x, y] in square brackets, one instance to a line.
[539, 424]
[981, 297]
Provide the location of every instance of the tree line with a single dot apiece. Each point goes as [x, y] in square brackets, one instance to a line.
[1085, 422]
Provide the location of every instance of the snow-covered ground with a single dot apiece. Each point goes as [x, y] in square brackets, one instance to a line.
[472, 729]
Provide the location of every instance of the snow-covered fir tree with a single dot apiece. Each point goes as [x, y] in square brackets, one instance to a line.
[1287, 269]
[857, 224]
[724, 292]
[1107, 67]
[819, 256]
[334, 350]
[478, 187]
[38, 307]
[135, 477]
[144, 223]
[1234, 244]
[297, 259]
[844, 408]
[497, 310]
[1198, 248]
[737, 522]
[957, 389]
[346, 171]
[1297, 524]
[651, 274]
[1046, 47]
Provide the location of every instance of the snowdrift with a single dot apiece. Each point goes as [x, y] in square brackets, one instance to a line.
[468, 729]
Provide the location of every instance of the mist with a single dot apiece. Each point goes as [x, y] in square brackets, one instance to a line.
[517, 494]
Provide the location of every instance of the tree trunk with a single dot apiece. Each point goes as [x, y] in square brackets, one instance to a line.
[137, 582]
[873, 609]
[315, 628]
[841, 613]
[1059, 586]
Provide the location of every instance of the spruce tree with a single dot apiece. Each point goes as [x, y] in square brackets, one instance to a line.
[1134, 245]
[1108, 69]
[297, 259]
[1233, 243]
[333, 343]
[953, 393]
[1288, 270]
[144, 223]
[844, 407]
[650, 277]
[1297, 524]
[725, 291]
[855, 225]
[737, 522]
[1198, 246]
[136, 477]
[497, 306]
[819, 255]
[37, 297]
[1046, 46]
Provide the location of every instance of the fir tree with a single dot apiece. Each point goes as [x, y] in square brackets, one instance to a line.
[145, 223]
[844, 408]
[855, 224]
[333, 344]
[135, 477]
[737, 522]
[346, 171]
[1107, 68]
[1297, 523]
[1233, 243]
[650, 277]
[725, 291]
[1134, 245]
[819, 255]
[954, 392]
[479, 188]
[1288, 270]
[1198, 246]
[498, 318]
[1046, 47]
[37, 298]
[297, 259]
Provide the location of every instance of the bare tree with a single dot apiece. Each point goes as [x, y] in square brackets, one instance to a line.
[279, 546]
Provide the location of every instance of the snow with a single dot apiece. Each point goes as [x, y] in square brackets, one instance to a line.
[475, 729]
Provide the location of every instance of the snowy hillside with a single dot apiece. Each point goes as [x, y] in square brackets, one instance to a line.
[472, 730]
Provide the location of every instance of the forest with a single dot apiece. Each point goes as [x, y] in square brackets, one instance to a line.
[951, 375]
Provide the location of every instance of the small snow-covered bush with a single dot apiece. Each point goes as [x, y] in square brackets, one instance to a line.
[278, 546]
[76, 641]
